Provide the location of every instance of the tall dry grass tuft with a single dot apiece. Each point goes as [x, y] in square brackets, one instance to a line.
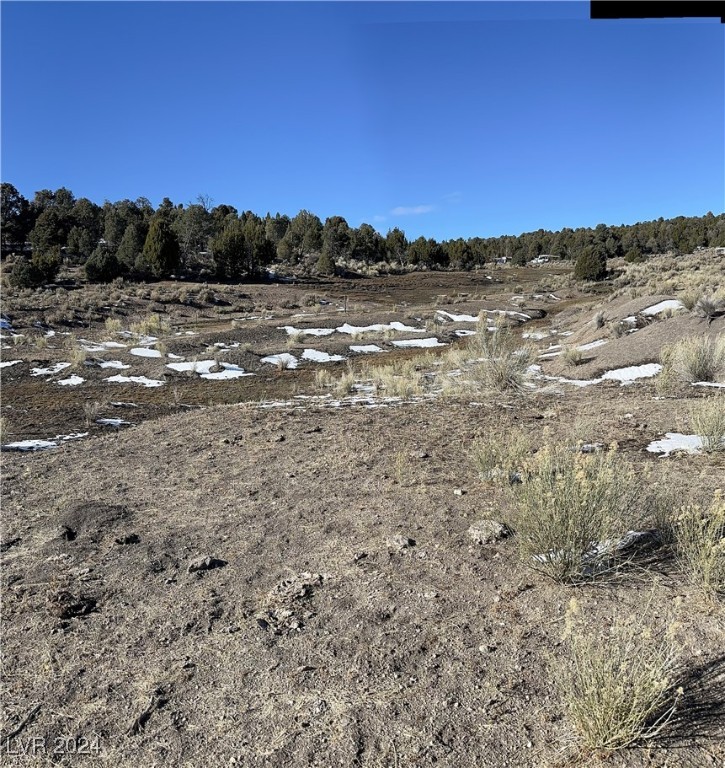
[504, 360]
[708, 422]
[699, 541]
[500, 459]
[694, 358]
[619, 687]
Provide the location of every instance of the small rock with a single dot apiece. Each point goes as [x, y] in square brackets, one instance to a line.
[400, 542]
[459, 492]
[131, 538]
[487, 531]
[205, 563]
[421, 455]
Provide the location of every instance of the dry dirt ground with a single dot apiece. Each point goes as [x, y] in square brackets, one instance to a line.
[238, 584]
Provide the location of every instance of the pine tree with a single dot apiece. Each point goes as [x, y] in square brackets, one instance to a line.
[325, 264]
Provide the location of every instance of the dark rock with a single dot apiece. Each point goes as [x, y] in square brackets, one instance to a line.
[205, 563]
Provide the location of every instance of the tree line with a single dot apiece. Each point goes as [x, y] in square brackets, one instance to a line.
[131, 238]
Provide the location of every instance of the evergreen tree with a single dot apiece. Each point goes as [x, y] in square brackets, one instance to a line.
[129, 248]
[102, 266]
[326, 263]
[590, 265]
[161, 250]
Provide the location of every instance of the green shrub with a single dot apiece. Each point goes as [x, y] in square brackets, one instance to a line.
[590, 265]
[694, 358]
[102, 266]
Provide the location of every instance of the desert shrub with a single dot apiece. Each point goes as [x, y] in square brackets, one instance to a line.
[505, 360]
[569, 507]
[689, 299]
[113, 324]
[694, 358]
[699, 541]
[78, 357]
[634, 256]
[572, 356]
[708, 307]
[599, 320]
[708, 422]
[32, 273]
[345, 384]
[323, 379]
[500, 458]
[619, 688]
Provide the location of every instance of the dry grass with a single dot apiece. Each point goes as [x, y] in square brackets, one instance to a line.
[699, 542]
[618, 688]
[694, 358]
[708, 422]
[504, 359]
[572, 356]
[569, 507]
[500, 458]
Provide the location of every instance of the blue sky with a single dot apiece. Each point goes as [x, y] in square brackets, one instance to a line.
[445, 119]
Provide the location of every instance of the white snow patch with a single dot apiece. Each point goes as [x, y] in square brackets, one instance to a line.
[172, 356]
[39, 445]
[197, 366]
[284, 359]
[229, 371]
[136, 380]
[292, 331]
[509, 312]
[71, 381]
[8, 363]
[113, 364]
[431, 342]
[663, 306]
[113, 422]
[708, 384]
[145, 352]
[365, 349]
[457, 318]
[633, 372]
[464, 332]
[593, 344]
[57, 368]
[320, 357]
[674, 441]
[378, 328]
[535, 335]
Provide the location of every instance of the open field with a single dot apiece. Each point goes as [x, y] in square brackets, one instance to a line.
[313, 562]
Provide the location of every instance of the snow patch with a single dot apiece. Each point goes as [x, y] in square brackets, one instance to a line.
[663, 306]
[136, 380]
[320, 357]
[8, 363]
[57, 368]
[71, 381]
[378, 328]
[593, 344]
[197, 366]
[365, 349]
[113, 364]
[292, 331]
[228, 371]
[457, 318]
[284, 359]
[145, 352]
[431, 342]
[674, 441]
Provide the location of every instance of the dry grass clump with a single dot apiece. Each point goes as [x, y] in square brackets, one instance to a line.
[572, 356]
[152, 325]
[113, 324]
[708, 422]
[709, 307]
[78, 357]
[504, 359]
[699, 542]
[499, 458]
[401, 379]
[571, 508]
[323, 379]
[694, 358]
[618, 688]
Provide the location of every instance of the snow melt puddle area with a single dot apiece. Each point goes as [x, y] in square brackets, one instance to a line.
[674, 441]
[663, 306]
[365, 349]
[321, 357]
[71, 381]
[136, 380]
[40, 445]
[284, 359]
[145, 352]
[8, 363]
[431, 342]
[57, 368]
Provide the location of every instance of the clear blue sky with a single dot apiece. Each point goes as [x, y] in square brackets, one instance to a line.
[445, 119]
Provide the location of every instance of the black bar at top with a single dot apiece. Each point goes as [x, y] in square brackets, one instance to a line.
[659, 9]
